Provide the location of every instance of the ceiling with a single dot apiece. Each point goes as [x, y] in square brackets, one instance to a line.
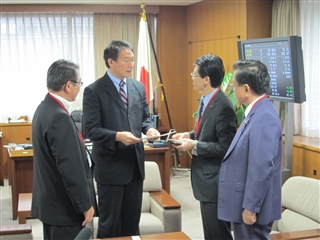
[113, 2]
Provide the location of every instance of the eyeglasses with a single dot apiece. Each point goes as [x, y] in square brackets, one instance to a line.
[231, 85]
[194, 75]
[80, 83]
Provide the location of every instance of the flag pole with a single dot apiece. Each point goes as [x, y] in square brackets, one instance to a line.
[144, 15]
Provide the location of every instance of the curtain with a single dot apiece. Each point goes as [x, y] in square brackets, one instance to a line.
[286, 22]
[310, 25]
[30, 43]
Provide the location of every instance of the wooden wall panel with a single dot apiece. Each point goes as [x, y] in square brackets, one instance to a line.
[172, 54]
[259, 19]
[213, 20]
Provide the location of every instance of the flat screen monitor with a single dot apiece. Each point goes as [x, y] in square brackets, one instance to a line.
[284, 59]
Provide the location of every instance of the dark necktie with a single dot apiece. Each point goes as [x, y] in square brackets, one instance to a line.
[123, 94]
[201, 108]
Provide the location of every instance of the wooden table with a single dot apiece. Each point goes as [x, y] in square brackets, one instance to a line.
[306, 234]
[20, 174]
[162, 236]
[21, 171]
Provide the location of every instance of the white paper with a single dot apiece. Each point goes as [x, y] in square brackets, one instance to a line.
[135, 238]
[151, 137]
[17, 121]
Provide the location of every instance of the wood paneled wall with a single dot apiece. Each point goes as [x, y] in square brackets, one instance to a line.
[186, 33]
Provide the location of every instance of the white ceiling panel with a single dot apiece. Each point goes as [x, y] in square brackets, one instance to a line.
[113, 2]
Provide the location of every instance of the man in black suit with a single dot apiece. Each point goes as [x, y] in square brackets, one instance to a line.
[62, 195]
[215, 128]
[115, 113]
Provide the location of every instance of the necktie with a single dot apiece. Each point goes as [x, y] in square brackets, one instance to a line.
[123, 94]
[201, 108]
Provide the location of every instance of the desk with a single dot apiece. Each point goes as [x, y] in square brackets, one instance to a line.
[160, 236]
[21, 175]
[21, 171]
[306, 234]
[15, 133]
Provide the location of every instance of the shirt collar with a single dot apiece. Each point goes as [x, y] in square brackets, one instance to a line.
[246, 112]
[65, 103]
[115, 80]
[207, 98]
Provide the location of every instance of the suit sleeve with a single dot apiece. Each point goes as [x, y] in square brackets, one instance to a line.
[67, 152]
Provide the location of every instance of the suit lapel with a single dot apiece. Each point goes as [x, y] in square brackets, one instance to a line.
[207, 111]
[131, 92]
[238, 135]
[243, 126]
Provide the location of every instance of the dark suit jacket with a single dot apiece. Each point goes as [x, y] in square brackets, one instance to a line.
[62, 179]
[250, 174]
[216, 131]
[104, 115]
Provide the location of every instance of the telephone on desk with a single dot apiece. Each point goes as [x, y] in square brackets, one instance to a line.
[27, 146]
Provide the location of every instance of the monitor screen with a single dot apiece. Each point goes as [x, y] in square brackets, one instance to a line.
[284, 60]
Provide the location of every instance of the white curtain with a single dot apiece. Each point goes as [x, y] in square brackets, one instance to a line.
[30, 43]
[310, 32]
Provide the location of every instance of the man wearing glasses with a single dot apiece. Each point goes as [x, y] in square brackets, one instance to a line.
[215, 128]
[62, 195]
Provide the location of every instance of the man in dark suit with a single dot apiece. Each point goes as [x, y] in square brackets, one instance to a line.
[62, 195]
[115, 113]
[214, 130]
[250, 175]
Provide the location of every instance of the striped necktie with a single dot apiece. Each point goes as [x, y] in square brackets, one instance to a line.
[123, 94]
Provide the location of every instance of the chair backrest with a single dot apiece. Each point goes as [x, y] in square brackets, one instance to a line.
[302, 194]
[300, 197]
[152, 181]
[77, 117]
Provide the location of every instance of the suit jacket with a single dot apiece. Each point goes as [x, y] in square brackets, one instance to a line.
[216, 131]
[62, 178]
[250, 174]
[104, 115]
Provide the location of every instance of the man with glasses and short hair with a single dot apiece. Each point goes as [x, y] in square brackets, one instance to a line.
[250, 174]
[63, 197]
[215, 128]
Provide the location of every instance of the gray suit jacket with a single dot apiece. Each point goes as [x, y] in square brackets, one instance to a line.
[104, 115]
[216, 131]
[250, 174]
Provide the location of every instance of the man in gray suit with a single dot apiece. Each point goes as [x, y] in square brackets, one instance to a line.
[214, 130]
[115, 113]
[250, 174]
[62, 197]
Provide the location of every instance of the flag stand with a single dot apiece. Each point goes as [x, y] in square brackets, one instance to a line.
[143, 14]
